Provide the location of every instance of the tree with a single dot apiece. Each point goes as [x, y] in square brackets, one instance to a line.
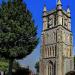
[3, 64]
[74, 62]
[37, 67]
[16, 65]
[18, 34]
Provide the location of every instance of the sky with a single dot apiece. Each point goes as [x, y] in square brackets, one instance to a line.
[36, 8]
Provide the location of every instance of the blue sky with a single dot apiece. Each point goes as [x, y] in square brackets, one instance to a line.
[36, 7]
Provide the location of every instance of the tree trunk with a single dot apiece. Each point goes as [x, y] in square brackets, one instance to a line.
[10, 66]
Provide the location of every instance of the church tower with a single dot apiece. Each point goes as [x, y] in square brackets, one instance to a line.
[56, 50]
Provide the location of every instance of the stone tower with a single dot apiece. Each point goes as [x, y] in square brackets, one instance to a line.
[56, 50]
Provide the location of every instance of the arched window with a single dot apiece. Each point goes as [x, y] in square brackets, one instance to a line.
[62, 21]
[54, 35]
[53, 50]
[50, 51]
[70, 51]
[50, 68]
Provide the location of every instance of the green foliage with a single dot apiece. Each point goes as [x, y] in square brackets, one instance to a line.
[3, 64]
[17, 31]
[37, 67]
[18, 34]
